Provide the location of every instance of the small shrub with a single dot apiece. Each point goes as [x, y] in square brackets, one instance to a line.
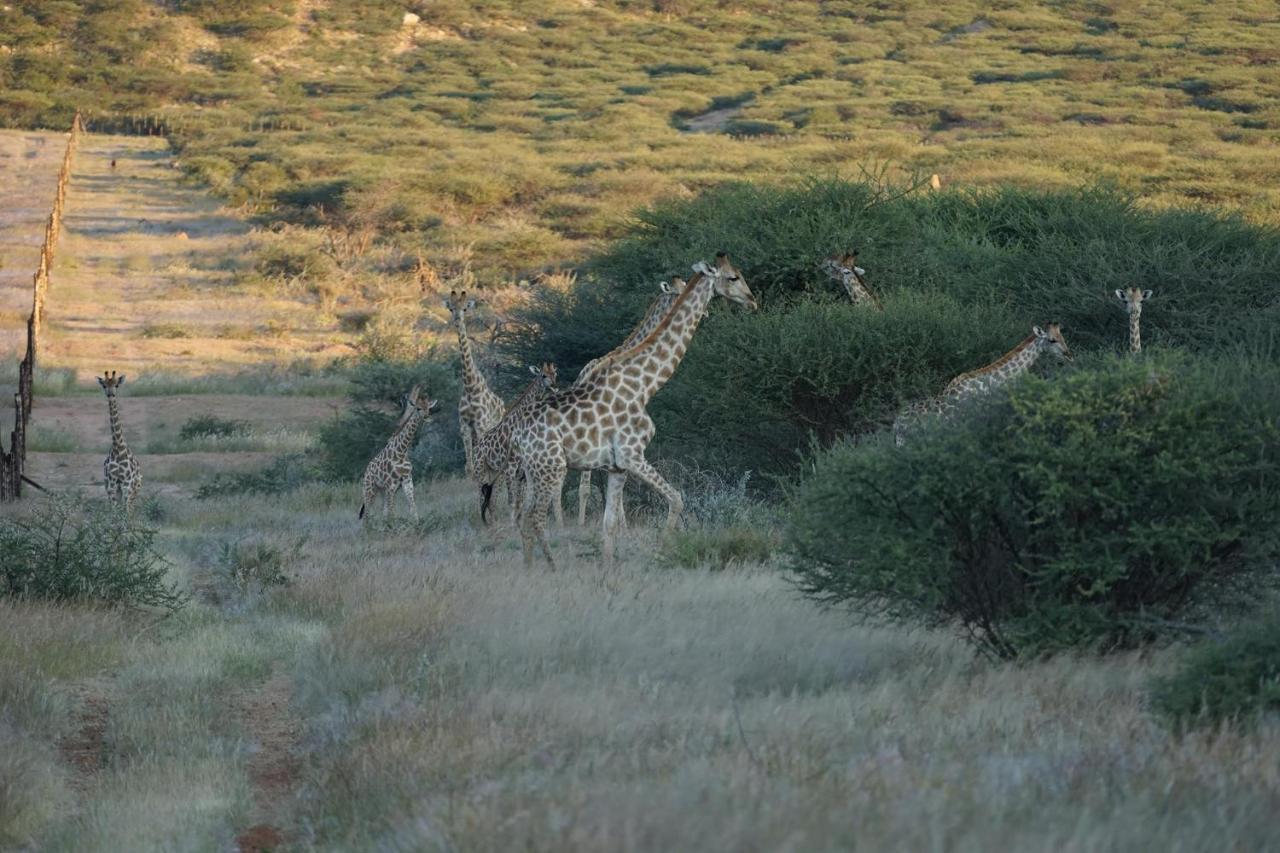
[283, 475]
[69, 551]
[1085, 511]
[261, 564]
[717, 548]
[212, 426]
[1233, 680]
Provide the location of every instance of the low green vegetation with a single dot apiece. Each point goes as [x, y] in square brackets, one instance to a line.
[1233, 680]
[66, 550]
[1093, 510]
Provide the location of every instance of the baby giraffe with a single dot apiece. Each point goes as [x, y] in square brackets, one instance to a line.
[391, 469]
[121, 470]
[1132, 299]
[844, 269]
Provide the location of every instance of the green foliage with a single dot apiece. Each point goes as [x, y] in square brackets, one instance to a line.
[1235, 679]
[259, 564]
[716, 548]
[963, 277]
[1083, 511]
[69, 551]
[283, 475]
[212, 426]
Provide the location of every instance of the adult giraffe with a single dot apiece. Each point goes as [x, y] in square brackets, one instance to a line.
[601, 421]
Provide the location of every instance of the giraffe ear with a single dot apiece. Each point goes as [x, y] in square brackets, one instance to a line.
[1037, 331]
[534, 370]
[1146, 294]
[102, 382]
[665, 287]
[119, 380]
[704, 268]
[1120, 294]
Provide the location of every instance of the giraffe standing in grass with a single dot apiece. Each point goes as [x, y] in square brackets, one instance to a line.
[652, 317]
[391, 470]
[479, 409]
[601, 421]
[1132, 299]
[121, 471]
[1007, 367]
[844, 269]
[495, 457]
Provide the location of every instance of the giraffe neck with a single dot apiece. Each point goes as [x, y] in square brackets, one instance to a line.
[402, 441]
[657, 310]
[473, 384]
[859, 292]
[656, 357]
[1013, 363]
[1135, 332]
[525, 396]
[117, 432]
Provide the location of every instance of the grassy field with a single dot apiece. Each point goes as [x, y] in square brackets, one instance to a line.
[330, 171]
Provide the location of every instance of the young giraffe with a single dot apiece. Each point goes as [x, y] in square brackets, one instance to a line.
[986, 379]
[390, 470]
[479, 409]
[602, 423]
[1132, 299]
[121, 471]
[657, 310]
[495, 457]
[844, 269]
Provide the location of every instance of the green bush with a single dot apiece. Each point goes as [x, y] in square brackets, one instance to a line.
[259, 565]
[1087, 510]
[964, 275]
[282, 475]
[717, 548]
[69, 551]
[205, 426]
[1235, 679]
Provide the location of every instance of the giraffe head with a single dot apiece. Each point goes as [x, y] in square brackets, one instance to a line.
[843, 265]
[415, 403]
[458, 304]
[1051, 339]
[110, 382]
[727, 281]
[1132, 298]
[674, 287]
[547, 373]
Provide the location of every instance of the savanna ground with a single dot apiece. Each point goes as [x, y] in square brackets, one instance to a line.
[416, 688]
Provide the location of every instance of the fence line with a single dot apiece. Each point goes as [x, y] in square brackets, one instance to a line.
[14, 461]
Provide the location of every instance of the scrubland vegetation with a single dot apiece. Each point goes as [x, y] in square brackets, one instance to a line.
[242, 666]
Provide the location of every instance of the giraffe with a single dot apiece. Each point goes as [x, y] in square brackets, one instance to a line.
[479, 409]
[495, 457]
[601, 422]
[121, 471]
[844, 269]
[986, 379]
[390, 469]
[656, 311]
[1132, 299]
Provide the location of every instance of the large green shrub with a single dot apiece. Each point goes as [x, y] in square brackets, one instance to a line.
[964, 275]
[1236, 678]
[1084, 510]
[70, 551]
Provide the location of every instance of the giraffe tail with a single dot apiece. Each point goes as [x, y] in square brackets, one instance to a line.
[361, 515]
[486, 492]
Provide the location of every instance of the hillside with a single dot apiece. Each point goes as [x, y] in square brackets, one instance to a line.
[529, 131]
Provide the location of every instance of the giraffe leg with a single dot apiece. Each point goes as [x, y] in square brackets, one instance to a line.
[647, 474]
[468, 459]
[516, 486]
[584, 494]
[540, 480]
[609, 523]
[557, 501]
[407, 487]
[388, 498]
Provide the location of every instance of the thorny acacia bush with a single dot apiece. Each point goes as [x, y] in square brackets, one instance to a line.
[1092, 510]
[963, 275]
[69, 550]
[1234, 679]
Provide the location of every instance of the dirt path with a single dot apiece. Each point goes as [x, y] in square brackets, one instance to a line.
[83, 749]
[273, 762]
